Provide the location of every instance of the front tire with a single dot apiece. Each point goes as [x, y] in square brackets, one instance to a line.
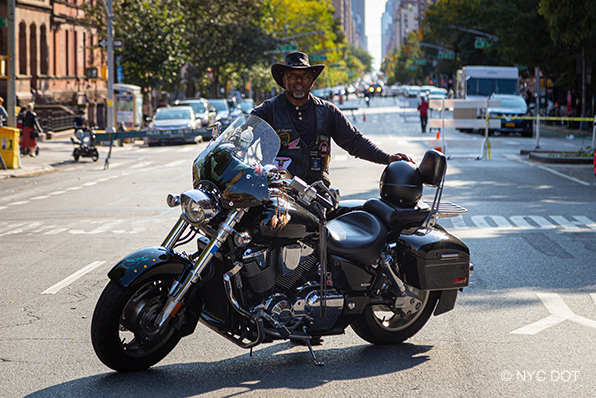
[379, 325]
[122, 329]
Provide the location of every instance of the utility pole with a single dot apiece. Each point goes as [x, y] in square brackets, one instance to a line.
[110, 102]
[11, 101]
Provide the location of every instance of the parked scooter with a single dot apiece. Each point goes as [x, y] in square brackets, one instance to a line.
[85, 139]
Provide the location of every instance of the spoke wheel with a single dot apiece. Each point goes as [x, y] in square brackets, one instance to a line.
[123, 331]
[379, 325]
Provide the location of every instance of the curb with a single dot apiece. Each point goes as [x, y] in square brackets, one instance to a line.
[547, 157]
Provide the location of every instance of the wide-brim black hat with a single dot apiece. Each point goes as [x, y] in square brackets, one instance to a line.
[295, 60]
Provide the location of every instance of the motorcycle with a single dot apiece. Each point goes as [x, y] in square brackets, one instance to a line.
[84, 140]
[279, 259]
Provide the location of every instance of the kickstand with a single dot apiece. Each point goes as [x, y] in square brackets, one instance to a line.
[312, 353]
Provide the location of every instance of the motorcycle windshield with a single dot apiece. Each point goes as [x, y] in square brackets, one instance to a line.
[235, 160]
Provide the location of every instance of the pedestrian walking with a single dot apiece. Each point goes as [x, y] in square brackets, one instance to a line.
[3, 113]
[31, 130]
[423, 108]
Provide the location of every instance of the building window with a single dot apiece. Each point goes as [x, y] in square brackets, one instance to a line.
[66, 53]
[33, 50]
[22, 48]
[75, 38]
[43, 50]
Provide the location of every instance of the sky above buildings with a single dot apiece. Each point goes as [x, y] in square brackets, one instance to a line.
[374, 10]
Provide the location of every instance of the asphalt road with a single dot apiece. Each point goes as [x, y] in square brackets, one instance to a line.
[524, 327]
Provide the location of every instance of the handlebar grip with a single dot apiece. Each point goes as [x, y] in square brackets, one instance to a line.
[324, 202]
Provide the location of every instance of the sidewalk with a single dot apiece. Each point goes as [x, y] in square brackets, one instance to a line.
[52, 153]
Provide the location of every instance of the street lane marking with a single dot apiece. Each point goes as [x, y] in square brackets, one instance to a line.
[176, 163]
[69, 279]
[560, 312]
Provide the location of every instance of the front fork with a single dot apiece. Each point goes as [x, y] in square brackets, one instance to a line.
[181, 287]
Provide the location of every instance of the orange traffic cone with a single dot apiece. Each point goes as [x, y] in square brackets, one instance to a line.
[437, 142]
[363, 117]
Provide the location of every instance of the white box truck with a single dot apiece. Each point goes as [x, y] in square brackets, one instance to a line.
[479, 82]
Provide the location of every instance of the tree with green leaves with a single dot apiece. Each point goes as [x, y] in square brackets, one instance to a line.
[226, 37]
[155, 48]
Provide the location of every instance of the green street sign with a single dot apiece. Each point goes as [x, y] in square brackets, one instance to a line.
[287, 48]
[318, 58]
[412, 67]
[2, 22]
[446, 56]
[419, 62]
[481, 43]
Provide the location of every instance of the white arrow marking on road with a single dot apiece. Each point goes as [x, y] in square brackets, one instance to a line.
[68, 280]
[559, 312]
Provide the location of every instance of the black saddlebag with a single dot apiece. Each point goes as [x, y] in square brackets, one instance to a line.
[434, 260]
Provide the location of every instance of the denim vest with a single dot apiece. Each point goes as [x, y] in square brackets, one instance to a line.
[311, 163]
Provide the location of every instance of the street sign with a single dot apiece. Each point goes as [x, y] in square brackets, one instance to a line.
[287, 48]
[318, 58]
[419, 62]
[446, 56]
[412, 67]
[2, 22]
[116, 43]
[482, 43]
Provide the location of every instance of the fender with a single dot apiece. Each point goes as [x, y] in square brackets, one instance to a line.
[142, 263]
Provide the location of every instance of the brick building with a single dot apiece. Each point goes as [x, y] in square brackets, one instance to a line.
[53, 50]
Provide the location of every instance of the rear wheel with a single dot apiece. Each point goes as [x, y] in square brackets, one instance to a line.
[379, 325]
[123, 332]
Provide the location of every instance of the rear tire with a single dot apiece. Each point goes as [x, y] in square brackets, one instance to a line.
[122, 330]
[378, 325]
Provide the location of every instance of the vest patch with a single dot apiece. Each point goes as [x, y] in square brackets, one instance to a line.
[284, 138]
[294, 144]
[282, 163]
[315, 164]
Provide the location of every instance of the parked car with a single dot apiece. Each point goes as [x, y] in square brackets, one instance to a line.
[512, 108]
[246, 105]
[205, 113]
[223, 111]
[323, 93]
[235, 110]
[433, 92]
[174, 121]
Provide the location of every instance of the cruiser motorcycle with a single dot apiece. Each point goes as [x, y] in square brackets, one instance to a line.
[274, 258]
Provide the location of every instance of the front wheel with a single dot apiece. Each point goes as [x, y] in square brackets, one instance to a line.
[379, 325]
[94, 155]
[123, 332]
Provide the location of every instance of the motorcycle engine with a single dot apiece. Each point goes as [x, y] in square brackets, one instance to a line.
[285, 283]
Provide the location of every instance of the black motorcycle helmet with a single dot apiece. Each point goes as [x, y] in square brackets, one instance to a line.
[401, 184]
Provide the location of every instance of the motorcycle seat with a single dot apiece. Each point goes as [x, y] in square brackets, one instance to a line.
[356, 236]
[394, 217]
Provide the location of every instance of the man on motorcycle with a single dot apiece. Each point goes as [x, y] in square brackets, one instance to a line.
[305, 124]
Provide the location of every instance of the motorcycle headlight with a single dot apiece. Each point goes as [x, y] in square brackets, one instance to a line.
[198, 207]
